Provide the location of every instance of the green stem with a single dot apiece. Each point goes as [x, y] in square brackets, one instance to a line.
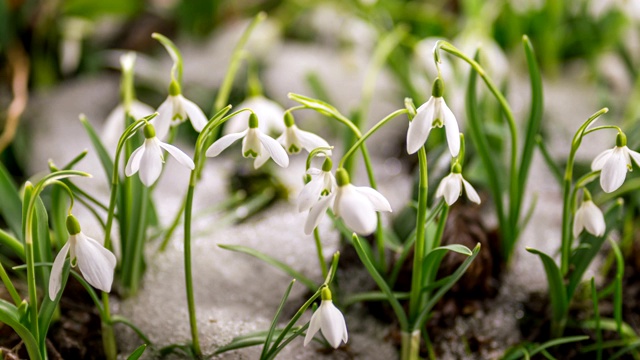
[108, 337]
[138, 249]
[31, 281]
[12, 243]
[9, 285]
[187, 266]
[410, 345]
[420, 246]
[172, 228]
[323, 264]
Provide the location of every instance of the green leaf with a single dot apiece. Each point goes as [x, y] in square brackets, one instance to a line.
[42, 242]
[267, 341]
[10, 315]
[59, 203]
[123, 320]
[617, 295]
[317, 105]
[48, 307]
[523, 352]
[101, 151]
[11, 205]
[273, 262]
[138, 352]
[596, 317]
[557, 291]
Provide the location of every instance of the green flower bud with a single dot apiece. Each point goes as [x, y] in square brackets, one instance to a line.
[438, 88]
[288, 119]
[253, 121]
[73, 226]
[327, 164]
[456, 168]
[174, 88]
[621, 139]
[342, 177]
[149, 131]
[325, 294]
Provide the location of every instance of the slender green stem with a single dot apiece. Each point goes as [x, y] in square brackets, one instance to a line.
[31, 281]
[187, 267]
[138, 249]
[108, 336]
[420, 246]
[9, 285]
[603, 127]
[323, 264]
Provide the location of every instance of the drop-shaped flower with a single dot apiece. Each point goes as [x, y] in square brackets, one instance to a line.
[268, 111]
[590, 217]
[255, 144]
[114, 125]
[433, 113]
[451, 187]
[175, 110]
[148, 158]
[294, 139]
[322, 184]
[329, 320]
[615, 163]
[96, 263]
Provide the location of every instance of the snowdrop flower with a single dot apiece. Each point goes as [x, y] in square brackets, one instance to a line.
[148, 158]
[356, 205]
[588, 216]
[175, 110]
[451, 187]
[294, 139]
[433, 113]
[329, 320]
[269, 112]
[96, 263]
[255, 144]
[322, 184]
[614, 164]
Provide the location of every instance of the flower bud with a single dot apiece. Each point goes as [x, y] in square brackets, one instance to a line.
[73, 226]
[438, 88]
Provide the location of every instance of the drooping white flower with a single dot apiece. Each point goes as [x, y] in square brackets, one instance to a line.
[615, 163]
[255, 144]
[114, 124]
[294, 139]
[322, 184]
[590, 217]
[329, 320]
[175, 110]
[268, 111]
[451, 187]
[148, 158]
[433, 113]
[96, 263]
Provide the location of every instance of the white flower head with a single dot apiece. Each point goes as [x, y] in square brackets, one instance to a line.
[329, 320]
[433, 113]
[148, 158]
[115, 124]
[175, 110]
[268, 111]
[615, 163]
[294, 139]
[255, 144]
[322, 184]
[96, 263]
[590, 217]
[451, 187]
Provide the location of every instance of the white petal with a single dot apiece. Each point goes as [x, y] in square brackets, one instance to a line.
[333, 324]
[276, 150]
[316, 212]
[451, 129]
[151, 162]
[472, 195]
[224, 142]
[195, 114]
[139, 109]
[593, 219]
[356, 210]
[55, 279]
[270, 113]
[310, 193]
[314, 171]
[614, 171]
[133, 165]
[601, 159]
[379, 202]
[578, 224]
[452, 187]
[314, 326]
[96, 263]
[114, 126]
[634, 155]
[311, 141]
[420, 127]
[178, 154]
[440, 189]
[162, 122]
[262, 158]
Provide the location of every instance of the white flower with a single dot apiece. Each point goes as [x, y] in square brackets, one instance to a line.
[614, 164]
[356, 205]
[433, 113]
[148, 158]
[96, 263]
[269, 112]
[451, 188]
[329, 320]
[175, 110]
[255, 144]
[294, 140]
[114, 125]
[322, 183]
[589, 216]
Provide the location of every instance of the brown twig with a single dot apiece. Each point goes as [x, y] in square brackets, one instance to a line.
[19, 63]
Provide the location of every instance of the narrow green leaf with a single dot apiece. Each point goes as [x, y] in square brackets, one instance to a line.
[10, 206]
[10, 315]
[315, 104]
[123, 320]
[557, 292]
[617, 295]
[634, 345]
[11, 242]
[596, 317]
[42, 242]
[48, 307]
[73, 162]
[371, 296]
[548, 159]
[138, 352]
[267, 340]
[59, 206]
[460, 249]
[273, 262]
[101, 151]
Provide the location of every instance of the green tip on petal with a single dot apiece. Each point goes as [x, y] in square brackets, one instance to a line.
[326, 294]
[456, 168]
[621, 139]
[149, 131]
[288, 119]
[342, 177]
[253, 121]
[327, 164]
[174, 88]
[438, 88]
[73, 225]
